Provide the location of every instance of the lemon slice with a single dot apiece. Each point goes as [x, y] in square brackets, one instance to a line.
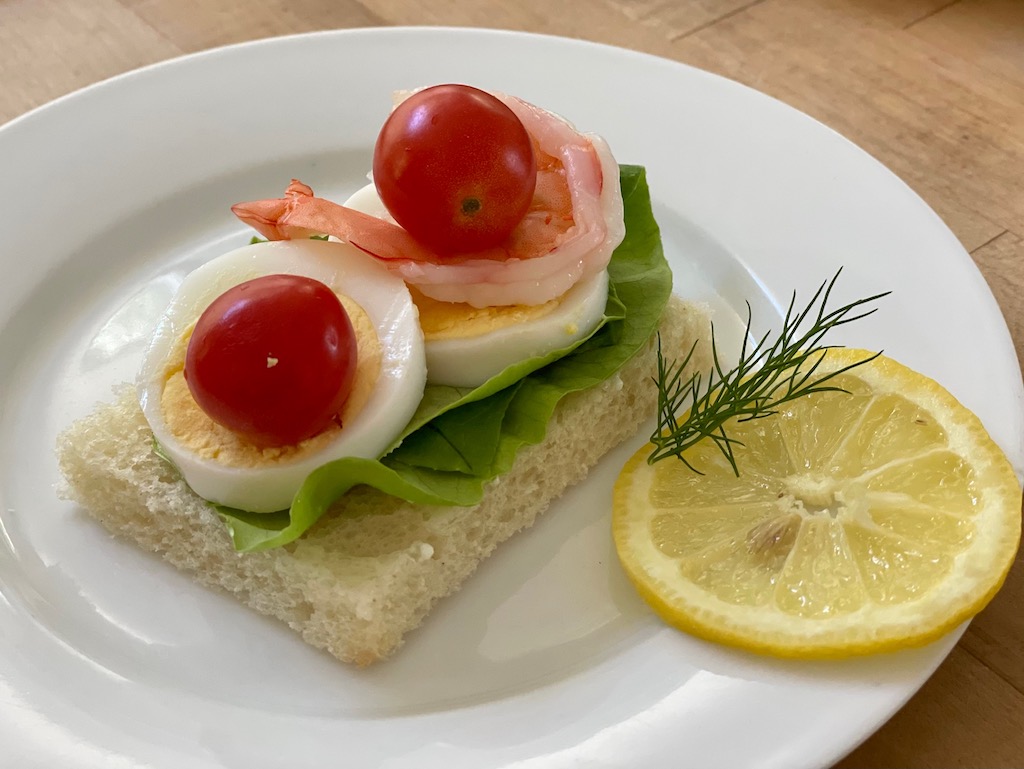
[861, 522]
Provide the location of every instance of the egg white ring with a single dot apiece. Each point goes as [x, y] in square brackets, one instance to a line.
[394, 398]
[471, 361]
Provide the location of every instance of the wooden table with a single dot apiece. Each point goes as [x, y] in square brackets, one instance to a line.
[934, 89]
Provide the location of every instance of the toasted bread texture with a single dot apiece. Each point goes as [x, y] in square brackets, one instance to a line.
[371, 569]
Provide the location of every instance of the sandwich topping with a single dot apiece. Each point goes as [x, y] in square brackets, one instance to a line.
[196, 429]
[273, 359]
[480, 255]
[573, 224]
[456, 168]
[252, 468]
[467, 345]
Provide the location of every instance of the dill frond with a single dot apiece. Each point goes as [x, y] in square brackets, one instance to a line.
[765, 377]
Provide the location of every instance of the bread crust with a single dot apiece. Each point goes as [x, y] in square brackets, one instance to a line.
[372, 568]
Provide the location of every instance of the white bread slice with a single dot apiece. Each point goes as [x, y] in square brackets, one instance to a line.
[370, 570]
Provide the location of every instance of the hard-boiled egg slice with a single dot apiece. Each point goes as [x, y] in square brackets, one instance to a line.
[466, 346]
[388, 387]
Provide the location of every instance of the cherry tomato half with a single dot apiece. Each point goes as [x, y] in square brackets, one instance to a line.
[273, 359]
[455, 167]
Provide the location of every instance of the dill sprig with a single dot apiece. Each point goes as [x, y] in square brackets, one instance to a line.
[766, 377]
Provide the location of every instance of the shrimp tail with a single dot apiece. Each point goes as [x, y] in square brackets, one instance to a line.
[300, 214]
[273, 218]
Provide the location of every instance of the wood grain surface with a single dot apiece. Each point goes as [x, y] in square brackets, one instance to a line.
[933, 88]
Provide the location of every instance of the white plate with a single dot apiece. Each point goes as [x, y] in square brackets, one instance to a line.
[546, 659]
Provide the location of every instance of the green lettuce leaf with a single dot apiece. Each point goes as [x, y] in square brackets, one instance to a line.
[461, 438]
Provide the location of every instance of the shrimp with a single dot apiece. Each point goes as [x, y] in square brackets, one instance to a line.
[573, 225]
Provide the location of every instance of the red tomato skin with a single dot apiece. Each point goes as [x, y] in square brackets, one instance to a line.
[273, 359]
[456, 168]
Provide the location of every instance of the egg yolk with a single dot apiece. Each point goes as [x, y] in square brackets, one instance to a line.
[201, 435]
[448, 320]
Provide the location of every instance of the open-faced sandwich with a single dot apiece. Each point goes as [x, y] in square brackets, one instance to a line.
[338, 425]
